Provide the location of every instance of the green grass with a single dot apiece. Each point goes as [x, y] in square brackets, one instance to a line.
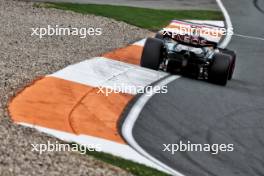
[130, 166]
[151, 19]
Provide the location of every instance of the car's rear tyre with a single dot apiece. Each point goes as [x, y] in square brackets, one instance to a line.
[220, 68]
[159, 36]
[232, 55]
[152, 53]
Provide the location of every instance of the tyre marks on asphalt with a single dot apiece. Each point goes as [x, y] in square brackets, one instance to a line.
[256, 4]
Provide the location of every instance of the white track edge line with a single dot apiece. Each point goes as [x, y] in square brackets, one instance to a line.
[131, 118]
[249, 37]
[134, 112]
[229, 25]
[107, 146]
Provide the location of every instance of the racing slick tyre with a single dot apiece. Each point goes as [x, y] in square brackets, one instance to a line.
[152, 53]
[232, 55]
[159, 36]
[220, 68]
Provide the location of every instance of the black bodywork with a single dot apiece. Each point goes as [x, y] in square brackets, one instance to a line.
[187, 55]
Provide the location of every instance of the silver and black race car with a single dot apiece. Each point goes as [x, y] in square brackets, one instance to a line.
[193, 55]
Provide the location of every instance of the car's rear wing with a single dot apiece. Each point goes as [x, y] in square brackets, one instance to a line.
[208, 33]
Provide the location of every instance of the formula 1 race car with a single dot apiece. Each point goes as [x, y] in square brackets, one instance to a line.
[190, 49]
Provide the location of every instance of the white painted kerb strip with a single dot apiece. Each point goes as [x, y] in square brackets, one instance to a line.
[112, 74]
[107, 146]
[209, 22]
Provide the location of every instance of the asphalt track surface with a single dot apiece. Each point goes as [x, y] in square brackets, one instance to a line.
[205, 113]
